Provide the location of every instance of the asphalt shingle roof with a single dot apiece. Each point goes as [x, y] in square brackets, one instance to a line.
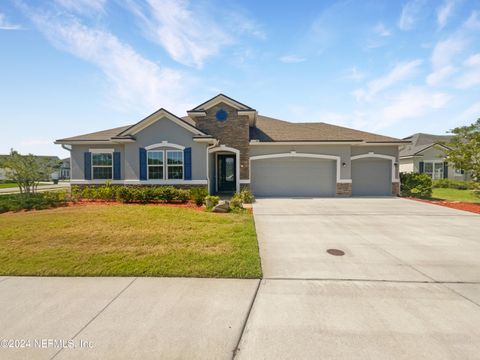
[421, 141]
[270, 130]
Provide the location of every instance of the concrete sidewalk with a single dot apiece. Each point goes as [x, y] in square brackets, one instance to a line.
[41, 188]
[124, 318]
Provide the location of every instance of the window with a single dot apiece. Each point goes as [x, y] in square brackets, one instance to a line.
[155, 164]
[434, 169]
[102, 166]
[174, 164]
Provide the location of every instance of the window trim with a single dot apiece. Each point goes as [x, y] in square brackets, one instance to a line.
[162, 166]
[97, 152]
[166, 163]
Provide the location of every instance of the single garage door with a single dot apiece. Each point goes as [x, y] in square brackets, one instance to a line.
[371, 177]
[293, 177]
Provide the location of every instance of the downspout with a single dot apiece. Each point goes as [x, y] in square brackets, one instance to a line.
[215, 144]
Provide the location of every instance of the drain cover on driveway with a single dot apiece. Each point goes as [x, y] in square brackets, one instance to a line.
[336, 252]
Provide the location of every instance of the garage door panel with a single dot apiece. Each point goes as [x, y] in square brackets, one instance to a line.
[371, 177]
[293, 177]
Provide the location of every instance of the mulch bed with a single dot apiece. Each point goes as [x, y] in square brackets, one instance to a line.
[189, 205]
[465, 206]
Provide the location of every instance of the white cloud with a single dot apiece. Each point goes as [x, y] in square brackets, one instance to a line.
[470, 114]
[471, 76]
[447, 49]
[436, 77]
[473, 60]
[355, 74]
[35, 142]
[444, 12]
[5, 25]
[192, 32]
[410, 13]
[134, 81]
[381, 30]
[83, 6]
[412, 103]
[399, 73]
[291, 59]
[473, 22]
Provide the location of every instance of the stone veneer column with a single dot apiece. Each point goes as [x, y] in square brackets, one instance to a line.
[233, 132]
[344, 189]
[396, 188]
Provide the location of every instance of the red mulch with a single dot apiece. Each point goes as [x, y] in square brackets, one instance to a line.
[465, 206]
[188, 205]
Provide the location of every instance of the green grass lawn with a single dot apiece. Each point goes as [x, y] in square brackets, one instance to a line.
[455, 195]
[128, 240]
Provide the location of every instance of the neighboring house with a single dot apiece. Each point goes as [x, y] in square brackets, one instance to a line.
[52, 160]
[64, 171]
[426, 154]
[226, 145]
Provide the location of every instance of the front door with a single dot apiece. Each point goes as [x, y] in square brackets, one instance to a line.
[226, 173]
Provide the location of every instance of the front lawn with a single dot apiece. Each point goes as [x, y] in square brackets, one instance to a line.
[128, 240]
[455, 195]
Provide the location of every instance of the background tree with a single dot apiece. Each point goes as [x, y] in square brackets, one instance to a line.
[464, 150]
[27, 170]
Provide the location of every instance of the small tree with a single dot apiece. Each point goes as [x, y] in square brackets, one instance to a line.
[26, 170]
[464, 150]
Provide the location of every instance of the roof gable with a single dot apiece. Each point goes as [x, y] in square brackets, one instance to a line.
[421, 142]
[156, 116]
[218, 99]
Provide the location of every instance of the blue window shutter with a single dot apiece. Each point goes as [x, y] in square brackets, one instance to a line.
[117, 170]
[87, 165]
[187, 163]
[143, 164]
[420, 167]
[445, 170]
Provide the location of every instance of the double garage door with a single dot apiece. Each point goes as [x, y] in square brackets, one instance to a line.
[313, 177]
[293, 177]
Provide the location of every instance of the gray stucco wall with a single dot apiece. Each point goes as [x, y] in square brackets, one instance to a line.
[77, 158]
[165, 130]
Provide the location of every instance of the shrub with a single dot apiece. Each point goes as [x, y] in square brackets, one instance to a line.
[198, 195]
[37, 201]
[124, 194]
[211, 201]
[246, 196]
[415, 185]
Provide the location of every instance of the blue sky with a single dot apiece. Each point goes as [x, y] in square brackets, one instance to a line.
[69, 67]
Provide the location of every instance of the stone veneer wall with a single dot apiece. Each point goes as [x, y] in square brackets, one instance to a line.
[233, 132]
[344, 189]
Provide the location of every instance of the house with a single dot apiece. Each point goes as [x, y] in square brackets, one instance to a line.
[225, 145]
[426, 154]
[64, 171]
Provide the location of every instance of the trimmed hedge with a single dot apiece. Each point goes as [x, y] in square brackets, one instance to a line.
[38, 201]
[128, 194]
[415, 185]
[456, 184]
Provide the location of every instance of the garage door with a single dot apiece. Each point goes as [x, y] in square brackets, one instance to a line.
[371, 177]
[293, 177]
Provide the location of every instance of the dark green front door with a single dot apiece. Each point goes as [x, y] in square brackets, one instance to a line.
[226, 173]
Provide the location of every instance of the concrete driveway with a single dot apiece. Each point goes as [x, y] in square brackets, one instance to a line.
[406, 288]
